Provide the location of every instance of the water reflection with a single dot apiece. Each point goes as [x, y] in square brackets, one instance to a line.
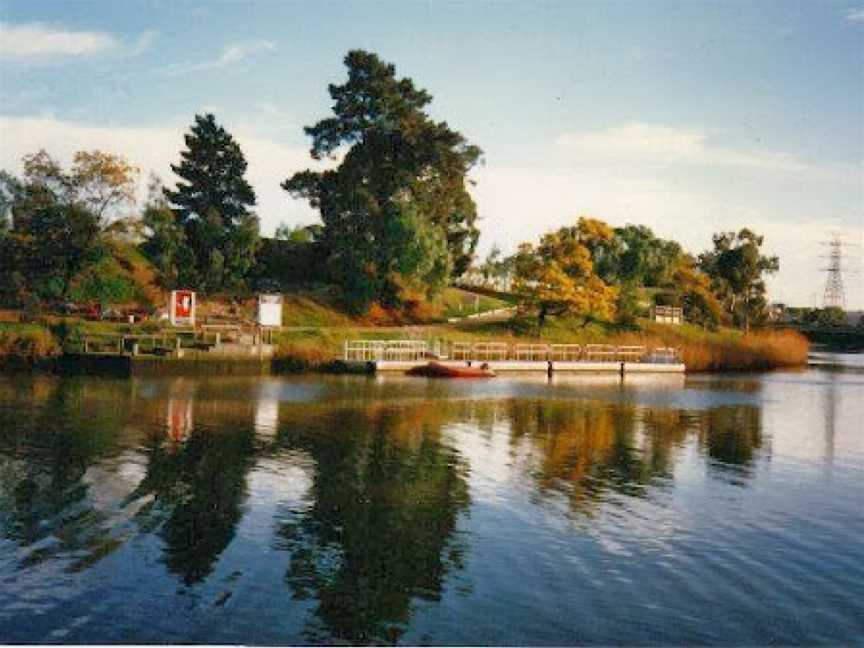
[732, 436]
[355, 497]
[386, 496]
[46, 502]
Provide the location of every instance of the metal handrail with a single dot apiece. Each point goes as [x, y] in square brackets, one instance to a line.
[531, 352]
[566, 352]
[631, 353]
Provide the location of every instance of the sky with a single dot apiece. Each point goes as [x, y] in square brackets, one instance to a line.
[690, 117]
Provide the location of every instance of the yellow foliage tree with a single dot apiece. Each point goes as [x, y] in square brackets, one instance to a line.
[700, 304]
[556, 277]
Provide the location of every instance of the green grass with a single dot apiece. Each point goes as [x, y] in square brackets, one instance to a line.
[456, 302]
[312, 310]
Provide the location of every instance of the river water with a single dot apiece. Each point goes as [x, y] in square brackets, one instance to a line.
[722, 509]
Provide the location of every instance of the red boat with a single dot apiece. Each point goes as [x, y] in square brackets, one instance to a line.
[438, 370]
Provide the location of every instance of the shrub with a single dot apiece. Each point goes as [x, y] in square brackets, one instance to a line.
[27, 347]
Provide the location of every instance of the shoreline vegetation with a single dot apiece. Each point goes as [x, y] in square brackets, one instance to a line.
[312, 349]
[398, 230]
[701, 350]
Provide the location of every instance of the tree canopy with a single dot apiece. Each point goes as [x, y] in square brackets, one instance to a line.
[100, 182]
[54, 221]
[557, 276]
[737, 269]
[212, 204]
[396, 210]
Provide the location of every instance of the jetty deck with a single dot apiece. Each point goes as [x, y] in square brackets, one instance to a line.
[403, 355]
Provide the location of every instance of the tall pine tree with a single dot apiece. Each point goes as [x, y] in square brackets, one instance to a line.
[212, 204]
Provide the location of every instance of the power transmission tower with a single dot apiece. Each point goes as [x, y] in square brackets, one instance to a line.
[834, 294]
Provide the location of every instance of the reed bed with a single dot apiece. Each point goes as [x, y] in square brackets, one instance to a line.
[26, 346]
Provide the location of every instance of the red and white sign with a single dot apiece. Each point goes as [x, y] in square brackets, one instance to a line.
[182, 307]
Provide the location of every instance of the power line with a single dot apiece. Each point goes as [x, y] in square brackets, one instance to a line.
[834, 294]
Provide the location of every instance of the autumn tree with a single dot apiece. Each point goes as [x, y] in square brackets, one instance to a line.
[692, 288]
[556, 277]
[737, 269]
[396, 211]
[102, 183]
[212, 203]
[57, 219]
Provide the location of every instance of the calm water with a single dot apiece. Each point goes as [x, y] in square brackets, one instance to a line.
[711, 510]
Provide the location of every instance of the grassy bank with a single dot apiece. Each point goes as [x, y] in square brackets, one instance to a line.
[724, 350]
[313, 348]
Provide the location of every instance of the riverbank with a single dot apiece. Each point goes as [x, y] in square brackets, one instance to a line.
[313, 349]
[701, 350]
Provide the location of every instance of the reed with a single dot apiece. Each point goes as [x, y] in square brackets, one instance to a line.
[26, 346]
[759, 350]
[300, 356]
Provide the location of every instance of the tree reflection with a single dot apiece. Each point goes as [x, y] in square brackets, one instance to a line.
[731, 436]
[585, 449]
[197, 478]
[51, 433]
[386, 496]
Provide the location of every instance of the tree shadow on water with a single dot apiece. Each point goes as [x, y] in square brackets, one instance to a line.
[381, 531]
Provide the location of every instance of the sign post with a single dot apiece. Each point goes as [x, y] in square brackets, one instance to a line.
[182, 308]
[270, 311]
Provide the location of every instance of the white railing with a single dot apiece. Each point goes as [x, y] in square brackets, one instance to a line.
[601, 352]
[531, 352]
[404, 350]
[489, 351]
[566, 352]
[419, 350]
[460, 351]
[631, 353]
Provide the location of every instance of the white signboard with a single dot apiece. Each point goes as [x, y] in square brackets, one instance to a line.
[270, 310]
[182, 308]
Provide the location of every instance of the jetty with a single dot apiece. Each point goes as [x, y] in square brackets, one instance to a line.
[501, 357]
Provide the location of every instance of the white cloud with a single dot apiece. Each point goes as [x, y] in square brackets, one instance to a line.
[232, 53]
[154, 149]
[41, 41]
[640, 142]
[855, 15]
[143, 43]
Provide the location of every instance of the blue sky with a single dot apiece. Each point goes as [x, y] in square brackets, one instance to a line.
[689, 117]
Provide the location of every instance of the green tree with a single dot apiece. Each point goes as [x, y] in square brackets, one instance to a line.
[212, 204]
[54, 244]
[54, 232]
[165, 240]
[831, 316]
[296, 233]
[737, 268]
[557, 276]
[396, 210]
[644, 258]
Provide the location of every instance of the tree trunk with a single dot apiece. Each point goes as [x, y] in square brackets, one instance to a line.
[541, 320]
